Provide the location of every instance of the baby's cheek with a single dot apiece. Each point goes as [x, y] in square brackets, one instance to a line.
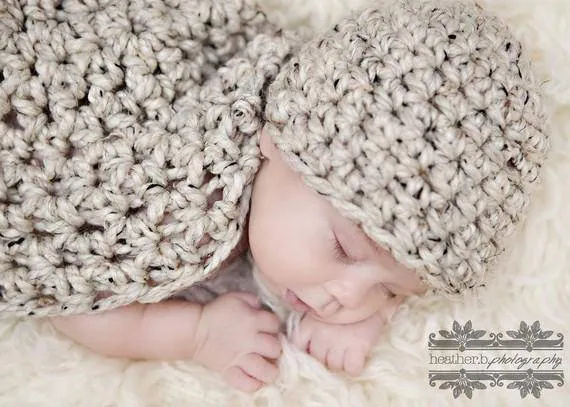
[273, 260]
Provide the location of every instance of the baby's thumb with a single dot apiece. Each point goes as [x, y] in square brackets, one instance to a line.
[249, 298]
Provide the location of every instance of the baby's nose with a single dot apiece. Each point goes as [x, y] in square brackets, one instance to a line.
[352, 294]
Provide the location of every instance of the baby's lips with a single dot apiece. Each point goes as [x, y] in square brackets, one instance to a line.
[295, 302]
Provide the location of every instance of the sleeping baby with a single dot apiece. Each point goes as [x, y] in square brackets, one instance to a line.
[389, 157]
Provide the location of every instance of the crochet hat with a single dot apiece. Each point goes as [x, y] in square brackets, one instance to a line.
[422, 123]
[127, 146]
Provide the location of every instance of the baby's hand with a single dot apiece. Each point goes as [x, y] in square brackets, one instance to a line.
[239, 340]
[339, 347]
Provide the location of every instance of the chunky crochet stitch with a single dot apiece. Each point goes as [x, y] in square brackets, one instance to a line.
[421, 122]
[127, 148]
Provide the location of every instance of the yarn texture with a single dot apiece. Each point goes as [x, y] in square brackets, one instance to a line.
[127, 148]
[422, 122]
[128, 139]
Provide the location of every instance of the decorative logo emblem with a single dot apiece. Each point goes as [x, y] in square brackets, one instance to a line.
[525, 359]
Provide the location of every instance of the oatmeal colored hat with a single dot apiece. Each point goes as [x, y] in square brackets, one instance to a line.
[422, 123]
[127, 146]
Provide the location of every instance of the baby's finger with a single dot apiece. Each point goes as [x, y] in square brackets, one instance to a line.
[301, 337]
[354, 361]
[268, 346]
[249, 298]
[318, 349]
[268, 322]
[239, 379]
[259, 368]
[335, 358]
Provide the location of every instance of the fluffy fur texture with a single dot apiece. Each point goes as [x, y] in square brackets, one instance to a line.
[39, 368]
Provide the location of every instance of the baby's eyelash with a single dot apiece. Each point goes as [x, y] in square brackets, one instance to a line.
[339, 253]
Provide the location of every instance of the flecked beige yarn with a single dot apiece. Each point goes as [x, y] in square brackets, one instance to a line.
[127, 148]
[421, 122]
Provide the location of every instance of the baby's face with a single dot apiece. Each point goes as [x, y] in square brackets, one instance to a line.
[313, 258]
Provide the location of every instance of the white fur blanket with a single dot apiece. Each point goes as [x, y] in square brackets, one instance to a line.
[40, 368]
